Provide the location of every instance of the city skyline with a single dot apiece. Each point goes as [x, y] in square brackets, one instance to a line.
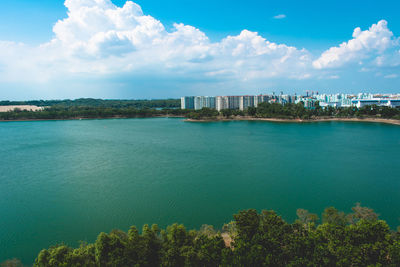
[146, 49]
[310, 100]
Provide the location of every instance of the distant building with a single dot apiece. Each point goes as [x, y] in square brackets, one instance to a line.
[359, 103]
[287, 99]
[187, 102]
[234, 102]
[261, 99]
[204, 102]
[221, 102]
[309, 103]
[325, 100]
[246, 101]
[393, 103]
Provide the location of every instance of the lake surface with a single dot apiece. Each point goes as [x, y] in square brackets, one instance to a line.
[69, 180]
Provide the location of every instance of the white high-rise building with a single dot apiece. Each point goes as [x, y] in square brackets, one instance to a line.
[234, 102]
[221, 102]
[204, 102]
[246, 101]
[187, 102]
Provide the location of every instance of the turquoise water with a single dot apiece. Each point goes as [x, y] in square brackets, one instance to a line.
[69, 180]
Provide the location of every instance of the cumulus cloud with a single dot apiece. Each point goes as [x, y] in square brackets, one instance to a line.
[98, 38]
[98, 28]
[377, 46]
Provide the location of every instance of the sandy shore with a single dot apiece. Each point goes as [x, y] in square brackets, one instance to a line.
[26, 107]
[376, 120]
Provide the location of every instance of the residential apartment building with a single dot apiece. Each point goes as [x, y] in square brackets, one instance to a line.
[204, 102]
[221, 102]
[325, 100]
[187, 102]
[246, 101]
[234, 102]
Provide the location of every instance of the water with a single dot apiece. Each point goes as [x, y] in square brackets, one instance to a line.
[69, 180]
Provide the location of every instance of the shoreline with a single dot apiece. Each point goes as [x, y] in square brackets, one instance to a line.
[220, 119]
[374, 120]
[81, 119]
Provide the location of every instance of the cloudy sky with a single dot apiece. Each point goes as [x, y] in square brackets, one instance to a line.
[54, 49]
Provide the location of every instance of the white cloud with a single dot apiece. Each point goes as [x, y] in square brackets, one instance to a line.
[280, 16]
[374, 46]
[99, 39]
[100, 29]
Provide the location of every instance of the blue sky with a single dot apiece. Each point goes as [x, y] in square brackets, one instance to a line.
[114, 63]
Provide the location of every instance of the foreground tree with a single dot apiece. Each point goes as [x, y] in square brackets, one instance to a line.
[256, 239]
[12, 263]
[334, 217]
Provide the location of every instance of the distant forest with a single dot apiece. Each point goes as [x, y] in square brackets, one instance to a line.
[64, 113]
[93, 108]
[99, 109]
[298, 111]
[251, 239]
[90, 102]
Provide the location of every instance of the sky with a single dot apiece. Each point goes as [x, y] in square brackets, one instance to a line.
[55, 49]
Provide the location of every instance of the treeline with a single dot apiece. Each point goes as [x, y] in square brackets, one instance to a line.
[251, 239]
[116, 108]
[298, 111]
[90, 102]
[61, 113]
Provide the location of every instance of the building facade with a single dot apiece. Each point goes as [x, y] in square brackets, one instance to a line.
[234, 102]
[204, 102]
[334, 100]
[221, 102]
[187, 102]
[246, 101]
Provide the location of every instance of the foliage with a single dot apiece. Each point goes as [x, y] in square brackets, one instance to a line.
[334, 217]
[93, 108]
[89, 102]
[298, 111]
[227, 113]
[260, 239]
[97, 109]
[62, 113]
[12, 263]
[204, 113]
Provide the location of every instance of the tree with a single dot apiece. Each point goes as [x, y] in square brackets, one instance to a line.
[333, 216]
[176, 244]
[362, 213]
[151, 245]
[251, 111]
[207, 230]
[110, 249]
[306, 218]
[227, 113]
[12, 263]
[259, 239]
